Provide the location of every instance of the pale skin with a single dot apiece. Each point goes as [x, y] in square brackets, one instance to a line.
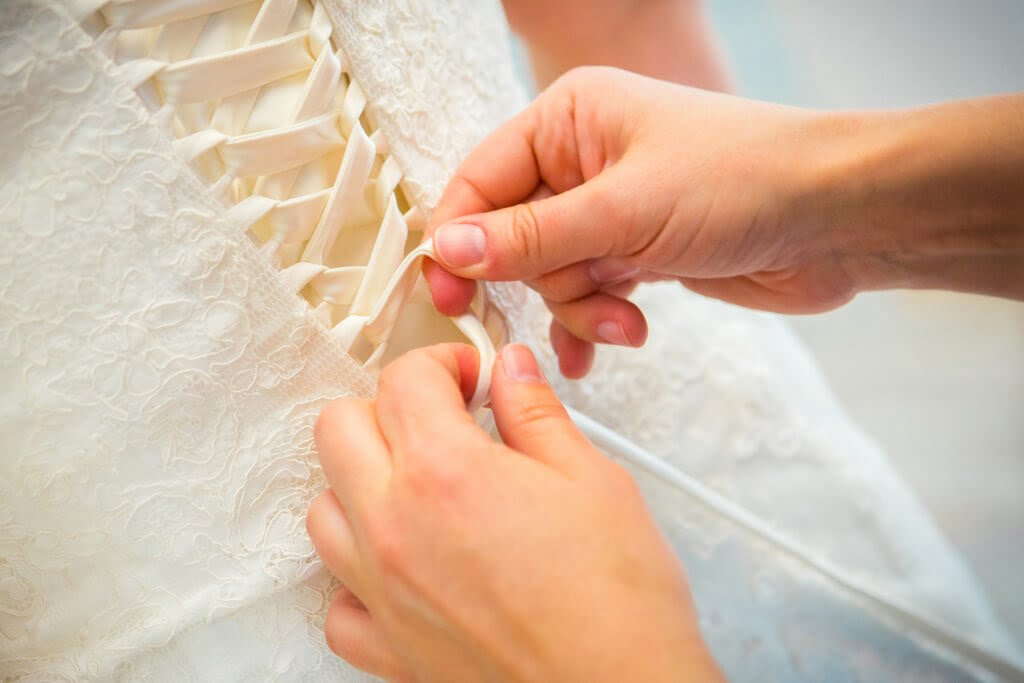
[610, 178]
[536, 560]
[666, 39]
[467, 560]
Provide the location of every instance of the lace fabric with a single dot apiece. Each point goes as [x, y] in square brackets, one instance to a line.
[438, 77]
[160, 384]
[159, 380]
[159, 391]
[741, 419]
[267, 111]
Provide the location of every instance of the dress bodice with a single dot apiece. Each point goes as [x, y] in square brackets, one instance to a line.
[160, 374]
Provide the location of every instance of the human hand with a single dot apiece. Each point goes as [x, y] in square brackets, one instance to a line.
[609, 178]
[463, 559]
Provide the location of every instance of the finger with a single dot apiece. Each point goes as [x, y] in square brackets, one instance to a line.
[352, 635]
[342, 593]
[421, 400]
[575, 356]
[353, 454]
[622, 290]
[526, 241]
[529, 415]
[580, 279]
[334, 540]
[500, 171]
[604, 319]
[450, 293]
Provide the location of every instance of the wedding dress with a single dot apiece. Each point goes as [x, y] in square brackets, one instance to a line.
[210, 210]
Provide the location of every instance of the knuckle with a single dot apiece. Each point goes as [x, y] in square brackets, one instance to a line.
[313, 515]
[394, 376]
[581, 76]
[525, 233]
[387, 543]
[436, 479]
[393, 382]
[393, 385]
[607, 201]
[390, 380]
[619, 483]
[536, 413]
[347, 648]
[334, 417]
[327, 421]
[562, 287]
[463, 184]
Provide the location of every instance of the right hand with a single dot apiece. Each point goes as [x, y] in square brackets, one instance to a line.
[610, 178]
[463, 559]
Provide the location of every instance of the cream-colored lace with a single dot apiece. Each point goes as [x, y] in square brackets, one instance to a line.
[265, 109]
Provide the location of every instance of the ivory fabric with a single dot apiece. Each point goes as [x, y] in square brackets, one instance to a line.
[159, 378]
[262, 101]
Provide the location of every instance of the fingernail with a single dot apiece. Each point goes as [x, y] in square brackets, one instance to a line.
[519, 364]
[459, 245]
[612, 332]
[610, 272]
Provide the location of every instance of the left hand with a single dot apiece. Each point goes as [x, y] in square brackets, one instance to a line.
[463, 559]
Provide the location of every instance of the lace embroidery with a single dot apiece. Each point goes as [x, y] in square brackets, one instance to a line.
[274, 121]
[159, 385]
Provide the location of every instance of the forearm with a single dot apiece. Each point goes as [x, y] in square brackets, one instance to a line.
[668, 39]
[931, 198]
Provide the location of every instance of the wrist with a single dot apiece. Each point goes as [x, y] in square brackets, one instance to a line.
[924, 198]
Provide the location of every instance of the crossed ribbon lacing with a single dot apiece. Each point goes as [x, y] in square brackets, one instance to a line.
[264, 107]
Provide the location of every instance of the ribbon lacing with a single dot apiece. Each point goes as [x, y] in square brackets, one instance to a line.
[346, 248]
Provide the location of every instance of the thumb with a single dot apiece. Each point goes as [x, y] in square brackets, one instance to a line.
[529, 415]
[525, 241]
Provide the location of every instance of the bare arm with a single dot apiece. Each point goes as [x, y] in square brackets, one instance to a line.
[928, 198]
[770, 207]
[667, 39]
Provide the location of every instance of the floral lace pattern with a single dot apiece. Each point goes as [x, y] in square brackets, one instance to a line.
[158, 385]
[438, 76]
[742, 415]
[265, 109]
[159, 389]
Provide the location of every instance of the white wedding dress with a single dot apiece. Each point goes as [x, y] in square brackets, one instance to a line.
[209, 209]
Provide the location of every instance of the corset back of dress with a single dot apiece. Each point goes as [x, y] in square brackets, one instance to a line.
[160, 377]
[161, 369]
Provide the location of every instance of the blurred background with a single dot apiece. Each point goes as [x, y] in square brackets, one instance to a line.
[936, 378]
